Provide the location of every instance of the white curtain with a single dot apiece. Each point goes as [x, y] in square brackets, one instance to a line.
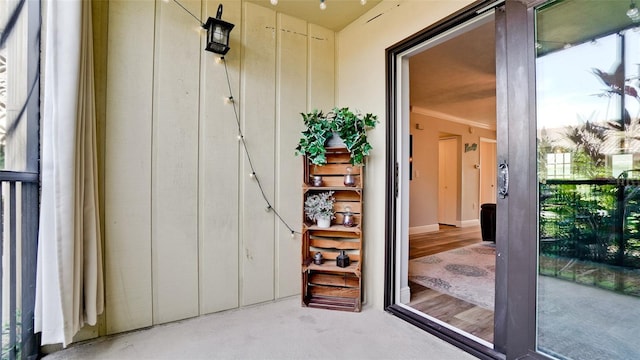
[69, 291]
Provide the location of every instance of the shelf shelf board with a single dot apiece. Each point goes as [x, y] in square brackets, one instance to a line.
[340, 228]
[306, 187]
[330, 265]
[332, 303]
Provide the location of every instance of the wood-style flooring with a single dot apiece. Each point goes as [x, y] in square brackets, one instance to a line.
[448, 238]
[461, 314]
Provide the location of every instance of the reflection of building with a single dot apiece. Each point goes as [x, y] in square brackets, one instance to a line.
[558, 165]
[604, 147]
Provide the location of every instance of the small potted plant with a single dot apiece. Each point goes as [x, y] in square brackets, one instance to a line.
[319, 208]
[349, 126]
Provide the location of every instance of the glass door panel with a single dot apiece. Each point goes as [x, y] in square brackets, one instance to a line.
[588, 129]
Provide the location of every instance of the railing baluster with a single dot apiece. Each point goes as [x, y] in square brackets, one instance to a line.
[17, 339]
[28, 252]
[12, 271]
[2, 336]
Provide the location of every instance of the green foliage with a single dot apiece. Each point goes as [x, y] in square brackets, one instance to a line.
[318, 131]
[351, 127]
[584, 222]
[584, 166]
[320, 205]
[7, 347]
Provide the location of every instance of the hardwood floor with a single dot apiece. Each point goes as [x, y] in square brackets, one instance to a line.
[448, 238]
[461, 314]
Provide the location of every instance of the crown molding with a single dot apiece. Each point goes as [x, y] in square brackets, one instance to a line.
[447, 117]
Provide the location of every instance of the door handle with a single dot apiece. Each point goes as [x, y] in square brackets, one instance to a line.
[503, 180]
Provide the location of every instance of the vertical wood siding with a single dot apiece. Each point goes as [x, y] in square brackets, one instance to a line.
[291, 92]
[219, 172]
[186, 231]
[174, 151]
[128, 165]
[258, 123]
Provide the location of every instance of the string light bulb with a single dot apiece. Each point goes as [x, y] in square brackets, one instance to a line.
[363, 2]
[274, 2]
[633, 13]
[323, 6]
[252, 173]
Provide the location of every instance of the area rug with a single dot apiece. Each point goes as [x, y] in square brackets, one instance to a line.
[466, 273]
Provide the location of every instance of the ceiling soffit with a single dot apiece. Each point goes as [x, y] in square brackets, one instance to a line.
[337, 15]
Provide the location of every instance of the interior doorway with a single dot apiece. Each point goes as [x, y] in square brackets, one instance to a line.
[448, 274]
[448, 179]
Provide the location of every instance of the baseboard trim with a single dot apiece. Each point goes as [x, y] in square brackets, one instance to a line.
[423, 229]
[468, 223]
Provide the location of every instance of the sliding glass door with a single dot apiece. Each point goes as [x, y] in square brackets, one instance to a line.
[588, 148]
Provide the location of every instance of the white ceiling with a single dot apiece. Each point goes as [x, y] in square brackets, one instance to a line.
[456, 80]
[337, 15]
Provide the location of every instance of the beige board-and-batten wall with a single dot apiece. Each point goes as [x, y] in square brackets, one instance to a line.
[186, 231]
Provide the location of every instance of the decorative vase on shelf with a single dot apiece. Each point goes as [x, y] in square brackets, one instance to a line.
[324, 222]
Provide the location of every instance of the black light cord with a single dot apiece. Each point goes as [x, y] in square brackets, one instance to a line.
[241, 136]
[190, 13]
[246, 151]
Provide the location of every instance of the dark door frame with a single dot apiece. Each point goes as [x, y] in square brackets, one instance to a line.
[516, 228]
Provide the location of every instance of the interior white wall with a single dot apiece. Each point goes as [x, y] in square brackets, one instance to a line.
[360, 84]
[424, 186]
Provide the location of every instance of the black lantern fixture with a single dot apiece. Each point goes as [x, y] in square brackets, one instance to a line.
[218, 32]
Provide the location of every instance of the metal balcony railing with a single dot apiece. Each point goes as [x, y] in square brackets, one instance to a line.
[589, 232]
[18, 246]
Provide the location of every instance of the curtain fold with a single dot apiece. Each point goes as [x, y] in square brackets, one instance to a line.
[69, 288]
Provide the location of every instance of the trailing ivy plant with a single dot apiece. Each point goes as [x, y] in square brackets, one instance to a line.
[350, 126]
[318, 131]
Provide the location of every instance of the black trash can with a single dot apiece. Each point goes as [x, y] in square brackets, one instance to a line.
[488, 222]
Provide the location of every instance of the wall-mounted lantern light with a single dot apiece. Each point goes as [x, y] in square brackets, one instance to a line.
[218, 32]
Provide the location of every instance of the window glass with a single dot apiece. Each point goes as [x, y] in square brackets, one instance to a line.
[588, 119]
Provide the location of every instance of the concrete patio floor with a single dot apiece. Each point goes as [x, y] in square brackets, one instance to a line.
[277, 330]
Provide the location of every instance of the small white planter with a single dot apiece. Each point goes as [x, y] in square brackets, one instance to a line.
[324, 223]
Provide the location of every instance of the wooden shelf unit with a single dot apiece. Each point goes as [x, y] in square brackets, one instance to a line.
[327, 285]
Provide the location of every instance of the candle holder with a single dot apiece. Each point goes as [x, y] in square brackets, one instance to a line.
[349, 180]
[347, 218]
[343, 260]
[316, 180]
